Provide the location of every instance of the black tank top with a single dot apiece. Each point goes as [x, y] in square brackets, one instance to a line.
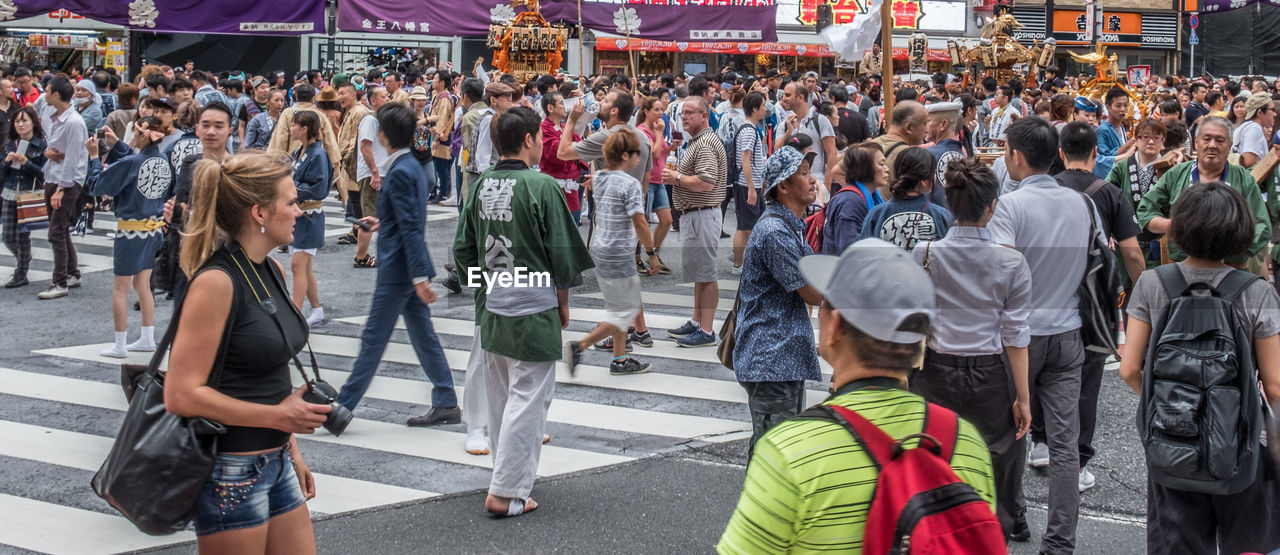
[255, 361]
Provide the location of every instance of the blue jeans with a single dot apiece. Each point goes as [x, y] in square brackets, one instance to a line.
[430, 171]
[245, 491]
[390, 301]
[441, 168]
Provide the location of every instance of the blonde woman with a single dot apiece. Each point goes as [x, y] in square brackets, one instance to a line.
[237, 332]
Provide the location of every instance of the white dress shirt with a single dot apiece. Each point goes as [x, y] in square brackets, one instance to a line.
[66, 133]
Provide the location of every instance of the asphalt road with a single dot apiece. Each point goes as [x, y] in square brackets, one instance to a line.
[668, 492]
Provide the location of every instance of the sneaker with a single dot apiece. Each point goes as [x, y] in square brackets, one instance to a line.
[736, 270]
[142, 345]
[73, 282]
[607, 345]
[1087, 480]
[572, 356]
[53, 292]
[688, 328]
[663, 268]
[451, 283]
[642, 268]
[1019, 532]
[19, 280]
[115, 351]
[477, 442]
[316, 317]
[643, 339]
[653, 218]
[628, 366]
[1039, 455]
[698, 338]
[451, 201]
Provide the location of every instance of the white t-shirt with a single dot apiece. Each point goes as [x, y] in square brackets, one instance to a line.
[1249, 139]
[817, 127]
[368, 131]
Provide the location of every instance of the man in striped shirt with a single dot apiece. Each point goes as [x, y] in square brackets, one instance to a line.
[809, 485]
[699, 182]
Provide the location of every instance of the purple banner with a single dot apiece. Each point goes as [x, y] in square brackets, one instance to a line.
[1218, 6]
[673, 22]
[243, 17]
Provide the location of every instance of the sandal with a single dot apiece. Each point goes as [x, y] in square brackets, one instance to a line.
[367, 262]
[515, 507]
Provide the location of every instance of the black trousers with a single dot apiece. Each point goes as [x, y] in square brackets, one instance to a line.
[980, 390]
[1090, 387]
[1198, 523]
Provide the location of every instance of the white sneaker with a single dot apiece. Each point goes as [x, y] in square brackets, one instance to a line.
[116, 351]
[141, 345]
[653, 218]
[451, 201]
[1039, 455]
[477, 442]
[1086, 480]
[73, 282]
[316, 317]
[53, 292]
[736, 270]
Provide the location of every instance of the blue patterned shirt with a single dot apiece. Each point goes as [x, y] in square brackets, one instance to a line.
[774, 337]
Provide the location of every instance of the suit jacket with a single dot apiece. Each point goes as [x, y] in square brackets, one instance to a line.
[402, 213]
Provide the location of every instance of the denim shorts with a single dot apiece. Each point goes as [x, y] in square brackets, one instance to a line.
[657, 197]
[247, 490]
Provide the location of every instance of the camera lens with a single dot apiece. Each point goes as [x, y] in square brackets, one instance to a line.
[321, 393]
[338, 419]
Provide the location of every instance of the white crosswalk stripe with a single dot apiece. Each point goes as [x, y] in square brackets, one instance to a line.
[596, 420]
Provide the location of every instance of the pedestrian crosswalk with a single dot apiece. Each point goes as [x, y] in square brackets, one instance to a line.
[596, 420]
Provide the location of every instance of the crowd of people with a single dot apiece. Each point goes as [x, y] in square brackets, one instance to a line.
[934, 276]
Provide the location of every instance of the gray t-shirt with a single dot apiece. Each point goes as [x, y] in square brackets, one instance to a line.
[613, 242]
[1258, 306]
[817, 127]
[591, 151]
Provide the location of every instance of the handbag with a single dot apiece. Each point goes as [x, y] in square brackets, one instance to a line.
[160, 462]
[33, 213]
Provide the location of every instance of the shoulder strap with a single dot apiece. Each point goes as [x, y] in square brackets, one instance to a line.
[895, 146]
[1097, 185]
[877, 444]
[1234, 284]
[1171, 278]
[944, 427]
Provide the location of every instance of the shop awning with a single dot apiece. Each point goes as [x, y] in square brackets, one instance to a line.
[673, 20]
[767, 48]
[293, 17]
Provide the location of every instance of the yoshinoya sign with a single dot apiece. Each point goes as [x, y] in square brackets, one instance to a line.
[1123, 29]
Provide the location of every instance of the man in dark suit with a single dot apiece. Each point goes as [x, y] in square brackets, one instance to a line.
[404, 274]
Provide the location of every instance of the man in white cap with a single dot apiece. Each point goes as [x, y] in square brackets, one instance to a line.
[877, 305]
[943, 131]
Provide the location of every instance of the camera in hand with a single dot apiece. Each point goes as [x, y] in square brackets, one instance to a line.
[321, 393]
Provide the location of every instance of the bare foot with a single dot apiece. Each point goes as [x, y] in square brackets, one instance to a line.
[502, 507]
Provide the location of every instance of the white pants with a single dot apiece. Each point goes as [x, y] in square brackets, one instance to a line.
[475, 405]
[519, 394]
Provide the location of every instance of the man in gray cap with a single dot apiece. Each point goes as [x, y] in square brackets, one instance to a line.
[943, 130]
[876, 309]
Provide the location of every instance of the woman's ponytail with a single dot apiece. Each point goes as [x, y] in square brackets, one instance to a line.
[221, 196]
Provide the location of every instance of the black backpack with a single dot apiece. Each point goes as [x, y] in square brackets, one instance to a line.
[1100, 290]
[1201, 411]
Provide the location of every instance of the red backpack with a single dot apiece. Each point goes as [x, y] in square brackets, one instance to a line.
[816, 222]
[920, 505]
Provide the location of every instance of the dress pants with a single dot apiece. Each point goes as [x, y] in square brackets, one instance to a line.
[1090, 387]
[519, 394]
[475, 406]
[981, 391]
[390, 301]
[65, 263]
[1054, 373]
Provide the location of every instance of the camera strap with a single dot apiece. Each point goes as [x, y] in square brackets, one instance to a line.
[269, 306]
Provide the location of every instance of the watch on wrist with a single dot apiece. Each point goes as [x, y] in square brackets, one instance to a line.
[653, 252]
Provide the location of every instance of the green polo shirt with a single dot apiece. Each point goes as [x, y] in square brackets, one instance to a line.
[809, 485]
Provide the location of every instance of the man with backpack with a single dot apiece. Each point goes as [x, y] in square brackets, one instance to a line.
[810, 476]
[805, 120]
[1211, 486]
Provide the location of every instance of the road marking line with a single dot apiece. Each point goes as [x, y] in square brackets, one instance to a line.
[51, 528]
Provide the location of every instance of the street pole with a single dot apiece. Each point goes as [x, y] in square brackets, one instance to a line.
[332, 62]
[886, 57]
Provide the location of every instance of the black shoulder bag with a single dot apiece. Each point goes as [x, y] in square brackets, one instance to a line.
[160, 462]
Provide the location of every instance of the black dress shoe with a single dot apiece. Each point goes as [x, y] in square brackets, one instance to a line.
[19, 280]
[1019, 532]
[437, 416]
[452, 284]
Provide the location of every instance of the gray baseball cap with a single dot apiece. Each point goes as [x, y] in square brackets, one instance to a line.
[875, 285]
